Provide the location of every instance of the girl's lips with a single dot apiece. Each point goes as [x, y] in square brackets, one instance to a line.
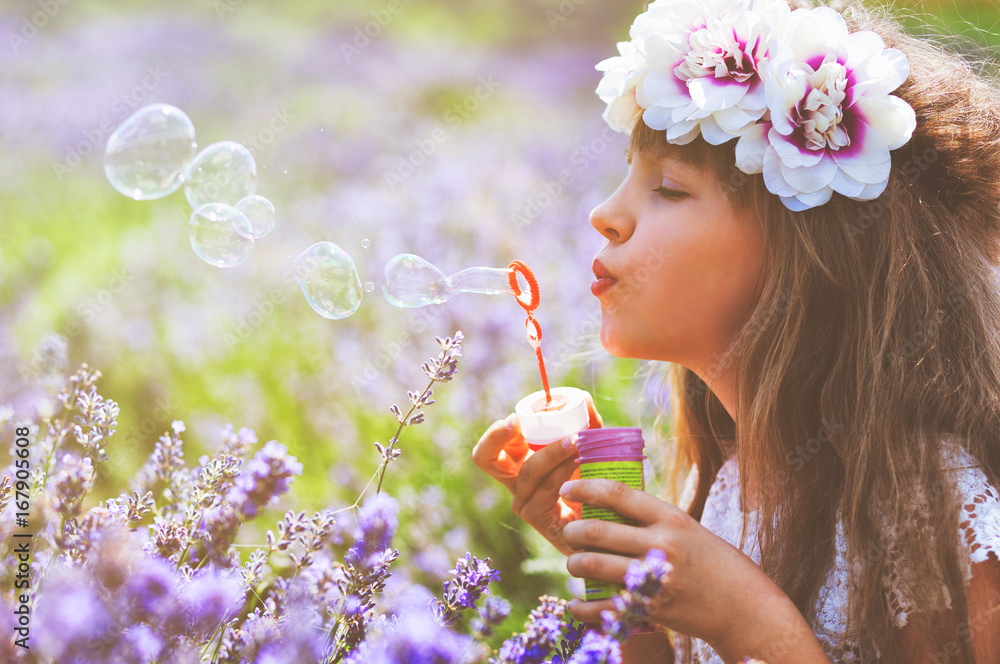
[600, 285]
[602, 279]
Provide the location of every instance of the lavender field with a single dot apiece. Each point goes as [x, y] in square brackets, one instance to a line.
[465, 132]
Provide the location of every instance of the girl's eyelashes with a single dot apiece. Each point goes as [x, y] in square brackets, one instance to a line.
[671, 194]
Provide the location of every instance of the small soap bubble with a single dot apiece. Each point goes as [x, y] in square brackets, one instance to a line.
[220, 235]
[369, 286]
[366, 243]
[146, 156]
[329, 280]
[260, 212]
[224, 172]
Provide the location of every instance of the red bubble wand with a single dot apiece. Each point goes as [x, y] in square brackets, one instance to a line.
[533, 328]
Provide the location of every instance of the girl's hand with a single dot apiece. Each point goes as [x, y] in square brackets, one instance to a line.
[715, 592]
[533, 478]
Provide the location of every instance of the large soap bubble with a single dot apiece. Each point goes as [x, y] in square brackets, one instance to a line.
[146, 156]
[224, 172]
[410, 281]
[329, 280]
[220, 235]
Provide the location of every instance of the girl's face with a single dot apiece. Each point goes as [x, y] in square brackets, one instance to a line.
[676, 278]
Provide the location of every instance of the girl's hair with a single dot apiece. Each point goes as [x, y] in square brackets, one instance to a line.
[873, 339]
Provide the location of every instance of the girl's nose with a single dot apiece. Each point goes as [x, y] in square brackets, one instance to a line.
[612, 218]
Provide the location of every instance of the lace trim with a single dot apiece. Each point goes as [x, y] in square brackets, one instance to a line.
[980, 530]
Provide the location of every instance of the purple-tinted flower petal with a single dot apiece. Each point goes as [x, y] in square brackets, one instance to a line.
[870, 161]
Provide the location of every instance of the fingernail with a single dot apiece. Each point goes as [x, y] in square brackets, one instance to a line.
[508, 423]
[565, 488]
[569, 442]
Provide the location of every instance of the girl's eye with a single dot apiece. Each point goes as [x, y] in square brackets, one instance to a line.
[671, 194]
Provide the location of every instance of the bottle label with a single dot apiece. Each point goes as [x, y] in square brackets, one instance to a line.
[628, 472]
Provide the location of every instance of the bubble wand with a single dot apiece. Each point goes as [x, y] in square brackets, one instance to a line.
[534, 330]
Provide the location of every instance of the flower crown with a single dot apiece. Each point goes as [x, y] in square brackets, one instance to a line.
[809, 101]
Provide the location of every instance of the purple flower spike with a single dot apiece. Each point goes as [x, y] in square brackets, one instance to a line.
[150, 590]
[211, 597]
[266, 477]
[597, 649]
[377, 523]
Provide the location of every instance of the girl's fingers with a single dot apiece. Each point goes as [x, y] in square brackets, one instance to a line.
[628, 502]
[501, 450]
[607, 535]
[547, 469]
[600, 566]
[546, 494]
[589, 612]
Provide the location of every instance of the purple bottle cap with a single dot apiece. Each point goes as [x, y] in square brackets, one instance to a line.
[610, 444]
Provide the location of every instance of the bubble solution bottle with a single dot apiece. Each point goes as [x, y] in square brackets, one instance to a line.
[543, 423]
[614, 454]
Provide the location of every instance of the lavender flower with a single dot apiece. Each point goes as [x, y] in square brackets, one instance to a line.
[70, 618]
[493, 612]
[74, 478]
[644, 581]
[163, 473]
[377, 524]
[366, 569]
[266, 477]
[597, 649]
[415, 635]
[440, 370]
[211, 597]
[149, 591]
[5, 491]
[543, 633]
[96, 423]
[471, 578]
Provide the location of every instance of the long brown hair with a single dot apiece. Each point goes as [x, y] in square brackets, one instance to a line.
[874, 338]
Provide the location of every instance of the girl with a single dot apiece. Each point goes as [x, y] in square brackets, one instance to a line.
[814, 196]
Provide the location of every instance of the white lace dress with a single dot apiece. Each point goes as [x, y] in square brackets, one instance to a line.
[723, 516]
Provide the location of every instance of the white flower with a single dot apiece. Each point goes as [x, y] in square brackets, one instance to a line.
[618, 86]
[706, 63]
[833, 120]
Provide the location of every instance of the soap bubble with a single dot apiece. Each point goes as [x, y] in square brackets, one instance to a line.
[224, 172]
[220, 235]
[146, 156]
[410, 282]
[329, 280]
[369, 286]
[366, 243]
[260, 212]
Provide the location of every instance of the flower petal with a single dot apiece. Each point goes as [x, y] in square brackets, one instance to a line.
[813, 199]
[714, 94]
[881, 73]
[846, 185]
[713, 133]
[890, 116]
[867, 160]
[809, 179]
[752, 147]
[682, 133]
[773, 177]
[872, 191]
[791, 154]
[663, 88]
[736, 119]
[657, 117]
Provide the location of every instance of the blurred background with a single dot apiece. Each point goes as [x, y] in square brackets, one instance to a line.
[432, 127]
